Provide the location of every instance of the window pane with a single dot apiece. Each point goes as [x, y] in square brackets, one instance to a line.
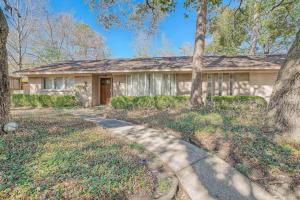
[59, 83]
[231, 82]
[169, 84]
[129, 85]
[166, 86]
[69, 83]
[157, 81]
[48, 83]
[173, 84]
[135, 84]
[209, 85]
[220, 84]
[142, 85]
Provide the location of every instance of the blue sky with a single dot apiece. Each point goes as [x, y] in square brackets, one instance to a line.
[177, 28]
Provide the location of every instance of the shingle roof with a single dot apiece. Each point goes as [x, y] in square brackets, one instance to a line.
[159, 64]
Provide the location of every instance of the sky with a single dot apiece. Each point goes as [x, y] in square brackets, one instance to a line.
[175, 27]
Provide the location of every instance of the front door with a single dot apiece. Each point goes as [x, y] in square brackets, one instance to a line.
[105, 90]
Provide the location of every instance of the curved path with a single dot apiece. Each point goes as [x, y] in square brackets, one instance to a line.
[203, 176]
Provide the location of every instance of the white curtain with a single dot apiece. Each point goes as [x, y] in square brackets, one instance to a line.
[151, 84]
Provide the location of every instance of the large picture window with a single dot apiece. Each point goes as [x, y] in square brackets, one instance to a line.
[151, 84]
[59, 83]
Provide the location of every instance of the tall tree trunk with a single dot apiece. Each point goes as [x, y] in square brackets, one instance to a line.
[254, 32]
[4, 81]
[284, 106]
[198, 56]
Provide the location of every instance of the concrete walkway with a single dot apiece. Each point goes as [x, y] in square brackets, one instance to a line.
[202, 176]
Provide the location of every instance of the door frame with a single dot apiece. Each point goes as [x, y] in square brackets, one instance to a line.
[99, 89]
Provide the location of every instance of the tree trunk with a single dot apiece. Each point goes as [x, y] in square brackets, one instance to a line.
[254, 33]
[4, 81]
[198, 56]
[284, 106]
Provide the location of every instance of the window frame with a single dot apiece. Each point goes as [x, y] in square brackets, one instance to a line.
[54, 86]
[151, 84]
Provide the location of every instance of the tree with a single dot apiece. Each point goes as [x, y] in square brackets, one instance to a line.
[21, 30]
[150, 12]
[88, 43]
[186, 49]
[284, 106]
[4, 89]
[227, 31]
[142, 45]
[60, 38]
[270, 24]
[255, 27]
[165, 47]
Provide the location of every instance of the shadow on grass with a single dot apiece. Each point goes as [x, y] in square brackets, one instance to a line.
[60, 156]
[235, 136]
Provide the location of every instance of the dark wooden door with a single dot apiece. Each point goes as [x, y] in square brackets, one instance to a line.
[105, 90]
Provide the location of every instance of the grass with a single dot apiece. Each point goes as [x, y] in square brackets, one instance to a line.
[235, 135]
[58, 156]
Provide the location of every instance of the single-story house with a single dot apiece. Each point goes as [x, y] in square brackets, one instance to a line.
[99, 80]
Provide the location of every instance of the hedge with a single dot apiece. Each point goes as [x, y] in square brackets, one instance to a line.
[244, 102]
[43, 100]
[161, 102]
[148, 102]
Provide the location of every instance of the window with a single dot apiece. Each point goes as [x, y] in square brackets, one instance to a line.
[151, 84]
[69, 83]
[221, 79]
[59, 83]
[209, 85]
[231, 83]
[48, 83]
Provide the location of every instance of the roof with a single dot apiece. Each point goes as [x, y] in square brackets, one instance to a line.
[183, 63]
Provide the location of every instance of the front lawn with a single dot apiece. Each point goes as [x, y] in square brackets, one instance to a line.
[235, 135]
[58, 156]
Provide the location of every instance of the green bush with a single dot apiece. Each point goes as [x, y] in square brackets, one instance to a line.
[43, 100]
[148, 102]
[162, 102]
[240, 102]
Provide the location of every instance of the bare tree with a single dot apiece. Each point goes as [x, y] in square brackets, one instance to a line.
[165, 47]
[142, 45]
[62, 38]
[186, 49]
[89, 43]
[21, 30]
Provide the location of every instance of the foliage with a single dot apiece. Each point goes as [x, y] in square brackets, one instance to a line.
[148, 102]
[162, 102]
[43, 100]
[228, 33]
[233, 102]
[59, 156]
[271, 24]
[236, 135]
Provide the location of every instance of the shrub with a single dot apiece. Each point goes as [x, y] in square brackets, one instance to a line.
[162, 102]
[240, 102]
[43, 100]
[149, 102]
